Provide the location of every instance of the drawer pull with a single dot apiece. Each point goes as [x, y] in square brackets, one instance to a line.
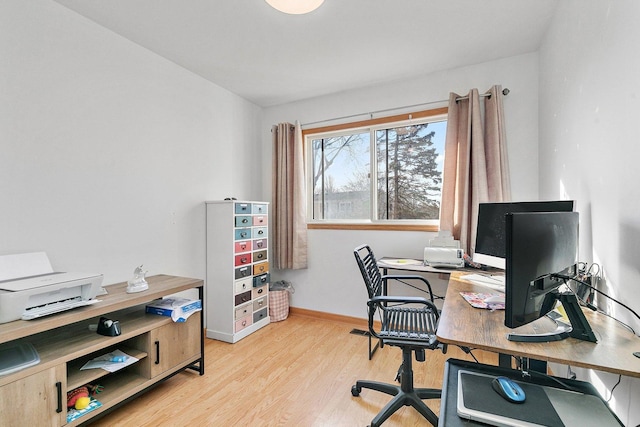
[245, 220]
[59, 392]
[243, 234]
[260, 232]
[260, 291]
[259, 244]
[244, 260]
[157, 352]
[260, 256]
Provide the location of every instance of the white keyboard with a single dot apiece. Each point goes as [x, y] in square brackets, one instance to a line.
[494, 282]
[55, 307]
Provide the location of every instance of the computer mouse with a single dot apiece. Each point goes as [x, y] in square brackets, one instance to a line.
[508, 389]
[494, 299]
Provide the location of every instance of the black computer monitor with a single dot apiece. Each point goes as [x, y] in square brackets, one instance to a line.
[490, 232]
[541, 253]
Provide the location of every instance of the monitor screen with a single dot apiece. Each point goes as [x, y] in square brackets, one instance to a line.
[539, 246]
[490, 232]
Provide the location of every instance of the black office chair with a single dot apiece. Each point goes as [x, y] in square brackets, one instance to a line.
[406, 322]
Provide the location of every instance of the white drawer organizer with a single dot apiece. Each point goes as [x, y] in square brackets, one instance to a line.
[237, 286]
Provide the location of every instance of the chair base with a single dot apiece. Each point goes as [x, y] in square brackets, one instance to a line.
[401, 398]
[404, 394]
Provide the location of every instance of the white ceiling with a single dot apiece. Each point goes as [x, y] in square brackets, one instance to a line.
[272, 58]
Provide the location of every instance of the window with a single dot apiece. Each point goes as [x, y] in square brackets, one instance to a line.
[387, 171]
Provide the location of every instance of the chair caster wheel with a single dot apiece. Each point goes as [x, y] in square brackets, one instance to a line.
[355, 391]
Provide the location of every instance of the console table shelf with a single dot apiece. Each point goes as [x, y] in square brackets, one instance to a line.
[77, 378]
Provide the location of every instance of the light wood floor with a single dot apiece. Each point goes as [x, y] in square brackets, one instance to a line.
[298, 372]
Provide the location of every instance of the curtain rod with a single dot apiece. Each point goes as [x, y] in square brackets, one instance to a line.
[505, 92]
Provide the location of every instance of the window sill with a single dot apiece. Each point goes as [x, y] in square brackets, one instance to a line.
[380, 227]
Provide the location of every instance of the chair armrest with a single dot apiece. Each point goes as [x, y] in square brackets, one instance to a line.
[400, 299]
[381, 300]
[401, 277]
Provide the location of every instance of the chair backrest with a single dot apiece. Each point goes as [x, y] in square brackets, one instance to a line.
[369, 269]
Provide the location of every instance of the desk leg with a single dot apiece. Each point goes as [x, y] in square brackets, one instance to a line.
[524, 363]
[533, 365]
[504, 360]
[373, 350]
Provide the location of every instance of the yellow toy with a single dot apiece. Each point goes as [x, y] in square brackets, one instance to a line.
[80, 397]
[82, 402]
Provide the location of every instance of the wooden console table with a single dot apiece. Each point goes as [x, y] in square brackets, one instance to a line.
[37, 395]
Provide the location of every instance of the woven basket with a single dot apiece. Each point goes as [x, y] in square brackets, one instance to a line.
[278, 305]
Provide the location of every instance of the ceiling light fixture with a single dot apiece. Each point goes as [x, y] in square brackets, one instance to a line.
[295, 7]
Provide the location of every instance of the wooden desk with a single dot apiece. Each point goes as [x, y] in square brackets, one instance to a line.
[461, 324]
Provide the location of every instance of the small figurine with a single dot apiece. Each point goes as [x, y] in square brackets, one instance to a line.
[138, 283]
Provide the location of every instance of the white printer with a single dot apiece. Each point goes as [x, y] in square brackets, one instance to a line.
[29, 288]
[444, 251]
[443, 257]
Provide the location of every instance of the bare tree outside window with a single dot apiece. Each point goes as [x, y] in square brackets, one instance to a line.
[409, 181]
[405, 172]
[337, 160]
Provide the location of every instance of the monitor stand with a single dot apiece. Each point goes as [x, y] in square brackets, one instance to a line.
[579, 328]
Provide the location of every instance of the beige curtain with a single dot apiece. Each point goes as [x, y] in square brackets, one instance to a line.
[288, 212]
[476, 167]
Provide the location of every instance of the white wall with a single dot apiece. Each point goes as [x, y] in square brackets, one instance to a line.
[589, 110]
[108, 151]
[332, 282]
